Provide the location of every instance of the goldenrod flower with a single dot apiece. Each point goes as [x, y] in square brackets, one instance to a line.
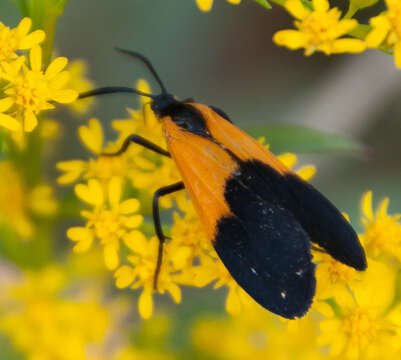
[362, 326]
[102, 168]
[188, 237]
[206, 5]
[333, 278]
[386, 29]
[17, 203]
[318, 30]
[78, 81]
[382, 236]
[255, 334]
[32, 90]
[12, 40]
[43, 323]
[110, 221]
[142, 273]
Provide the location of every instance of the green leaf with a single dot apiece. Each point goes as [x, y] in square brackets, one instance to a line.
[297, 139]
[264, 3]
[356, 5]
[44, 14]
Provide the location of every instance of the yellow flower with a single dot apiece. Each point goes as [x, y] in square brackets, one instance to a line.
[110, 221]
[43, 323]
[31, 91]
[102, 168]
[382, 236]
[318, 30]
[206, 5]
[256, 335]
[142, 272]
[12, 40]
[79, 82]
[333, 278]
[188, 237]
[362, 326]
[17, 203]
[386, 29]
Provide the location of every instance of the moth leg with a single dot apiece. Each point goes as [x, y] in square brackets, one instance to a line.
[140, 141]
[156, 218]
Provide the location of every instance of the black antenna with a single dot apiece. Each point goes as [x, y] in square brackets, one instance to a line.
[113, 90]
[147, 62]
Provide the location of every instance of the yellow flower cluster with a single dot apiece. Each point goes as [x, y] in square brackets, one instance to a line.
[18, 203]
[387, 30]
[43, 323]
[319, 29]
[26, 89]
[188, 259]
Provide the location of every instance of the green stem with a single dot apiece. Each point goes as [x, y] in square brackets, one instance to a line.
[279, 2]
[352, 10]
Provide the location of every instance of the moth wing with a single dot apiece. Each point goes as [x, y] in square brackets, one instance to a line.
[265, 175]
[262, 245]
[267, 252]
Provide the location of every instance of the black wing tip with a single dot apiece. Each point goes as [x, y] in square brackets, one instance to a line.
[361, 264]
[356, 259]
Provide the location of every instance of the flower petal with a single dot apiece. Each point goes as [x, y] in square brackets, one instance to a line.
[35, 58]
[9, 122]
[233, 303]
[91, 193]
[307, 172]
[6, 103]
[145, 304]
[293, 39]
[55, 67]
[111, 256]
[30, 121]
[83, 237]
[288, 159]
[367, 205]
[133, 221]
[92, 135]
[65, 96]
[129, 206]
[114, 191]
[297, 9]
[321, 5]
[397, 54]
[204, 5]
[124, 276]
[23, 27]
[135, 240]
[32, 39]
[349, 46]
[381, 26]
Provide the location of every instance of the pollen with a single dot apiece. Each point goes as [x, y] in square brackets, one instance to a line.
[361, 327]
[108, 225]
